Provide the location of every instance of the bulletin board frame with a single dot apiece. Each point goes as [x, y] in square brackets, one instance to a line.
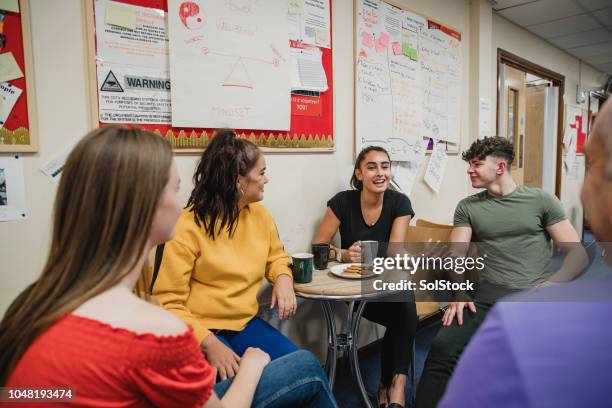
[307, 135]
[20, 132]
[451, 148]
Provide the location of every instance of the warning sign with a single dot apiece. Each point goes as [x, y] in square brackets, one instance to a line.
[133, 94]
[111, 84]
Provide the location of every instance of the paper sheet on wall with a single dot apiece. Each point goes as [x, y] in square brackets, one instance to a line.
[405, 172]
[12, 188]
[9, 69]
[440, 56]
[373, 99]
[233, 69]
[436, 167]
[9, 5]
[54, 167]
[307, 71]
[129, 94]
[146, 45]
[484, 117]
[571, 130]
[408, 79]
[316, 23]
[9, 94]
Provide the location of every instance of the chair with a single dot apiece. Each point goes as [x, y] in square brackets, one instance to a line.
[428, 224]
[427, 311]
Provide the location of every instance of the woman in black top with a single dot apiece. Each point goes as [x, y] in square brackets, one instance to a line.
[372, 212]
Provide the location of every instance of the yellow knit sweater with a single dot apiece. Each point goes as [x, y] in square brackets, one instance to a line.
[213, 284]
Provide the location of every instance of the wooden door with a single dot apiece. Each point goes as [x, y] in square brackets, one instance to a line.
[534, 136]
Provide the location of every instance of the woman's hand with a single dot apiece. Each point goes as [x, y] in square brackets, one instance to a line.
[353, 253]
[255, 356]
[284, 296]
[220, 356]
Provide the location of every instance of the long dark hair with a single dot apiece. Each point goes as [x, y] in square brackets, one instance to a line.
[107, 197]
[355, 182]
[215, 196]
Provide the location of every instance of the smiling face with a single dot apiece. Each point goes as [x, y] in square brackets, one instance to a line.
[483, 172]
[374, 171]
[252, 185]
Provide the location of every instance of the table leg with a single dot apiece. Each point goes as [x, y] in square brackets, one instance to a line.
[354, 319]
[332, 343]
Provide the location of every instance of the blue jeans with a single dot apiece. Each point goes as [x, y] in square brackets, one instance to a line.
[295, 380]
[260, 334]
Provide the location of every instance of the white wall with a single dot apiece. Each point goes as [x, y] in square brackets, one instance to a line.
[300, 184]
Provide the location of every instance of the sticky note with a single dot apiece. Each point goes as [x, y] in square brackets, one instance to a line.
[397, 48]
[413, 54]
[379, 46]
[9, 5]
[383, 39]
[120, 16]
[406, 49]
[367, 40]
[296, 6]
[9, 69]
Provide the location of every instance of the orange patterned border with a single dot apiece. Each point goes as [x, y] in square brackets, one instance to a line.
[19, 137]
[195, 140]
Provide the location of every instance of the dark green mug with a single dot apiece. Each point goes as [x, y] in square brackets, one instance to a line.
[302, 267]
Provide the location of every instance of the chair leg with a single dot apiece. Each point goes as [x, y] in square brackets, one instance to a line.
[413, 375]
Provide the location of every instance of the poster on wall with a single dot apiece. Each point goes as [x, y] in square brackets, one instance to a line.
[12, 188]
[407, 80]
[132, 64]
[230, 66]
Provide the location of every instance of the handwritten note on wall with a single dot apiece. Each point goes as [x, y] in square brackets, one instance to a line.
[408, 79]
[437, 166]
[230, 65]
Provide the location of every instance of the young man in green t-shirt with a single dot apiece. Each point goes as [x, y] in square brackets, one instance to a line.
[513, 226]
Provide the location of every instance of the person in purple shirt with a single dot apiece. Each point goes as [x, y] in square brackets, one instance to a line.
[550, 347]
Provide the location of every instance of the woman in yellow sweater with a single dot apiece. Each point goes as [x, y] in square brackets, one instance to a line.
[225, 243]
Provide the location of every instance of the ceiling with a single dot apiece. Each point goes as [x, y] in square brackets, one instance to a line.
[582, 28]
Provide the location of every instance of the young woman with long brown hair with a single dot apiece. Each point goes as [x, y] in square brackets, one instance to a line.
[226, 243]
[80, 326]
[370, 211]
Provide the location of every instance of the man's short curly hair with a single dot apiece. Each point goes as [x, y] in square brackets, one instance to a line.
[495, 146]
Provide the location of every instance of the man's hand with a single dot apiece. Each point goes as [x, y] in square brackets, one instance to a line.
[456, 308]
[284, 296]
[220, 356]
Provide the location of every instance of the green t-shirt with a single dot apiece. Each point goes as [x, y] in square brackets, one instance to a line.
[511, 231]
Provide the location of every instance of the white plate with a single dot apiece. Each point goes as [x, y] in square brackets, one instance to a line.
[338, 270]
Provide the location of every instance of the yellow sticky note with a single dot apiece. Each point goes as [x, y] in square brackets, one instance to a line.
[296, 6]
[9, 5]
[120, 16]
[322, 37]
[9, 69]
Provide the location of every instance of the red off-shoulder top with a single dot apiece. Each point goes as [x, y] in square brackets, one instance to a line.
[115, 367]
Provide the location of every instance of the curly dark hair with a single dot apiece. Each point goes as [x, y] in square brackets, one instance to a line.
[495, 146]
[355, 182]
[215, 195]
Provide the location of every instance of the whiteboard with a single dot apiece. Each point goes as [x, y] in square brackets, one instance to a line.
[229, 64]
[407, 80]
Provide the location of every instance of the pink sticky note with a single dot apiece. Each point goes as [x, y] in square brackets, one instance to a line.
[383, 39]
[397, 48]
[379, 47]
[367, 39]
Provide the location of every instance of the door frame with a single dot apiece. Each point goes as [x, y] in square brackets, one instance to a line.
[514, 61]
